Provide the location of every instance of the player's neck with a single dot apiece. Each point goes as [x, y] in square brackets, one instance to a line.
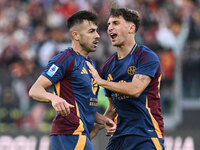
[124, 50]
[78, 49]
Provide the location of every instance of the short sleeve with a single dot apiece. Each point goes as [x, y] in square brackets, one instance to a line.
[148, 68]
[56, 69]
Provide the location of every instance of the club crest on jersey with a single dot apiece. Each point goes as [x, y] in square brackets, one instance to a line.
[52, 70]
[131, 70]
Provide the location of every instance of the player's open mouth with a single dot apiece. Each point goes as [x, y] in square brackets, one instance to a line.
[95, 43]
[113, 36]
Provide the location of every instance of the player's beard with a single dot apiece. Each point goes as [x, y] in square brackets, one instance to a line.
[87, 47]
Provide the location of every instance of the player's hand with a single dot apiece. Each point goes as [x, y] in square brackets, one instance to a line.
[94, 73]
[61, 106]
[110, 127]
[94, 131]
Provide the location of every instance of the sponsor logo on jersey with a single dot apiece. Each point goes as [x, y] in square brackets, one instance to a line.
[121, 96]
[93, 102]
[84, 71]
[52, 70]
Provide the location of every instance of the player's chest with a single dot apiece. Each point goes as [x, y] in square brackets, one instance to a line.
[80, 75]
[82, 80]
[122, 71]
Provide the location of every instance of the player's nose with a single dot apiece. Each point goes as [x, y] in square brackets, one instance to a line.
[110, 28]
[97, 36]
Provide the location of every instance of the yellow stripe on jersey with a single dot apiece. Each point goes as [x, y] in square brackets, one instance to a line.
[57, 85]
[81, 142]
[80, 128]
[156, 143]
[76, 52]
[159, 79]
[115, 119]
[133, 48]
[155, 123]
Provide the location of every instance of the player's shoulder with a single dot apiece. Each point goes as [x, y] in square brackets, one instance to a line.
[146, 54]
[65, 55]
[107, 63]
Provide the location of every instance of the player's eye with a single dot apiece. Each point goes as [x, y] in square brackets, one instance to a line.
[116, 22]
[91, 30]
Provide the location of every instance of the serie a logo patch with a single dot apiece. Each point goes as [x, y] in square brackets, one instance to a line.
[52, 70]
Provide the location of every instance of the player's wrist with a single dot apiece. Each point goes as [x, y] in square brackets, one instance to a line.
[97, 127]
[106, 122]
[101, 82]
[50, 97]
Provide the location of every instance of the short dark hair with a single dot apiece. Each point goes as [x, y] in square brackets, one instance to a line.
[128, 15]
[80, 16]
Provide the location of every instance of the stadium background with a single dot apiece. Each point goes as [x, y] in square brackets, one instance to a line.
[32, 31]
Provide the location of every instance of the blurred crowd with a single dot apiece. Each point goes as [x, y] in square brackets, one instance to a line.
[32, 31]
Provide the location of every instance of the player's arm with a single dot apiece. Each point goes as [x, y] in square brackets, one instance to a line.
[134, 88]
[39, 93]
[109, 115]
[106, 122]
[110, 111]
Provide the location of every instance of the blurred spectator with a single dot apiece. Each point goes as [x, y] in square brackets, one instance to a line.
[174, 30]
[66, 7]
[21, 71]
[191, 71]
[9, 113]
[11, 52]
[167, 61]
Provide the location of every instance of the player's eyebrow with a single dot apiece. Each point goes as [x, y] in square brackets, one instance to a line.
[114, 22]
[92, 30]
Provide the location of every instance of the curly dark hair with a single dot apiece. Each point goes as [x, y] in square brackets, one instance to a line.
[128, 15]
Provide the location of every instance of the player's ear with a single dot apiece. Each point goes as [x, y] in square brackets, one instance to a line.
[132, 28]
[75, 35]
